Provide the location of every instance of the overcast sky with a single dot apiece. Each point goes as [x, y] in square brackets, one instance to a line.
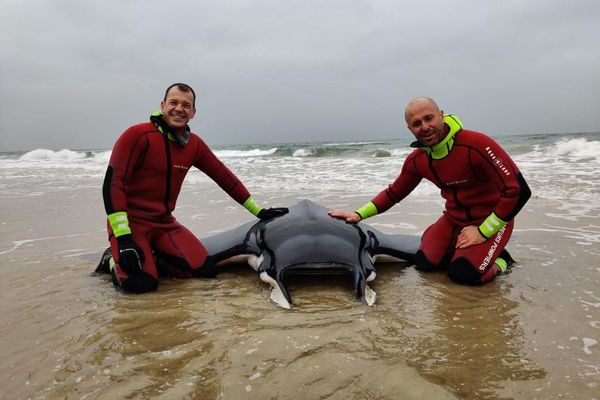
[75, 74]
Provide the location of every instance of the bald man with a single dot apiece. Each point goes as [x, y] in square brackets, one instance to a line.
[481, 184]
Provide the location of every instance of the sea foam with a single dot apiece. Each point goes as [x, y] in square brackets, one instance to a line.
[45, 154]
[245, 153]
[578, 148]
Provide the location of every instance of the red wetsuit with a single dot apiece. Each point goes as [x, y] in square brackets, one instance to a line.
[144, 178]
[476, 177]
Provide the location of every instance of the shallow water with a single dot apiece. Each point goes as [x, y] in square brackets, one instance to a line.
[67, 334]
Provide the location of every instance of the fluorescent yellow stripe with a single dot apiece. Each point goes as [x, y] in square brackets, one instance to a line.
[491, 225]
[453, 122]
[442, 149]
[502, 264]
[368, 210]
[119, 223]
[251, 206]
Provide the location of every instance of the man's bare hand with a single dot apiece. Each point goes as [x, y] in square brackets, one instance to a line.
[348, 216]
[469, 236]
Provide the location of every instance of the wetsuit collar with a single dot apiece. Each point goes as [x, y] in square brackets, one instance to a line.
[181, 138]
[443, 148]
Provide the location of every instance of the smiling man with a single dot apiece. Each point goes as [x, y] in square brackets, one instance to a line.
[483, 188]
[146, 170]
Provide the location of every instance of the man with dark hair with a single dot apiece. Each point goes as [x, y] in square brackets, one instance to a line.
[184, 87]
[146, 170]
[483, 188]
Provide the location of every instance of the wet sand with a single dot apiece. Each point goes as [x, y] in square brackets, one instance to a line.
[66, 334]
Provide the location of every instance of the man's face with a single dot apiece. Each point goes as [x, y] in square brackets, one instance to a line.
[178, 108]
[426, 122]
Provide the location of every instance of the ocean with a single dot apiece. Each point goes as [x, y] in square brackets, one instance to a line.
[530, 334]
[556, 166]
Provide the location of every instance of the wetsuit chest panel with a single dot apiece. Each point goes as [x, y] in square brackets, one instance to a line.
[468, 193]
[454, 171]
[144, 186]
[155, 183]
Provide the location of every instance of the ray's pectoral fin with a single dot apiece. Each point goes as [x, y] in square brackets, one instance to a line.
[279, 294]
[234, 246]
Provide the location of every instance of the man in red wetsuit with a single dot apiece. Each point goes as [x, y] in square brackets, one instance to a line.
[146, 170]
[481, 184]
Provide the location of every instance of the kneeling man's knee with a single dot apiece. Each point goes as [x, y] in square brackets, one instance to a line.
[141, 282]
[422, 263]
[462, 271]
[206, 270]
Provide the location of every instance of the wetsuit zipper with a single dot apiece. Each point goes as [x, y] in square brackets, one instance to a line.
[458, 203]
[168, 177]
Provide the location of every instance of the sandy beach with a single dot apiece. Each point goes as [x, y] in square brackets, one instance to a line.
[67, 334]
[305, 100]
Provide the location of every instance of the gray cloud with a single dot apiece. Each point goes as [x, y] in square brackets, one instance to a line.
[75, 74]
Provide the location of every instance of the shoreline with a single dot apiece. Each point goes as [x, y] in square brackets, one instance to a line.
[66, 333]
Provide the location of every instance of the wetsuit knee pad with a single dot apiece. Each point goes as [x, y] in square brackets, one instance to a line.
[141, 282]
[207, 270]
[422, 263]
[462, 271]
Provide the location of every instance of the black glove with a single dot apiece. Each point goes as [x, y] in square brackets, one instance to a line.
[268, 213]
[130, 255]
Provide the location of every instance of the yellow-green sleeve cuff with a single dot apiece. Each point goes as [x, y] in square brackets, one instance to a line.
[251, 206]
[368, 210]
[119, 223]
[491, 225]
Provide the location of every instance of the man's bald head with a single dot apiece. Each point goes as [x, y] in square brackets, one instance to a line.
[420, 102]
